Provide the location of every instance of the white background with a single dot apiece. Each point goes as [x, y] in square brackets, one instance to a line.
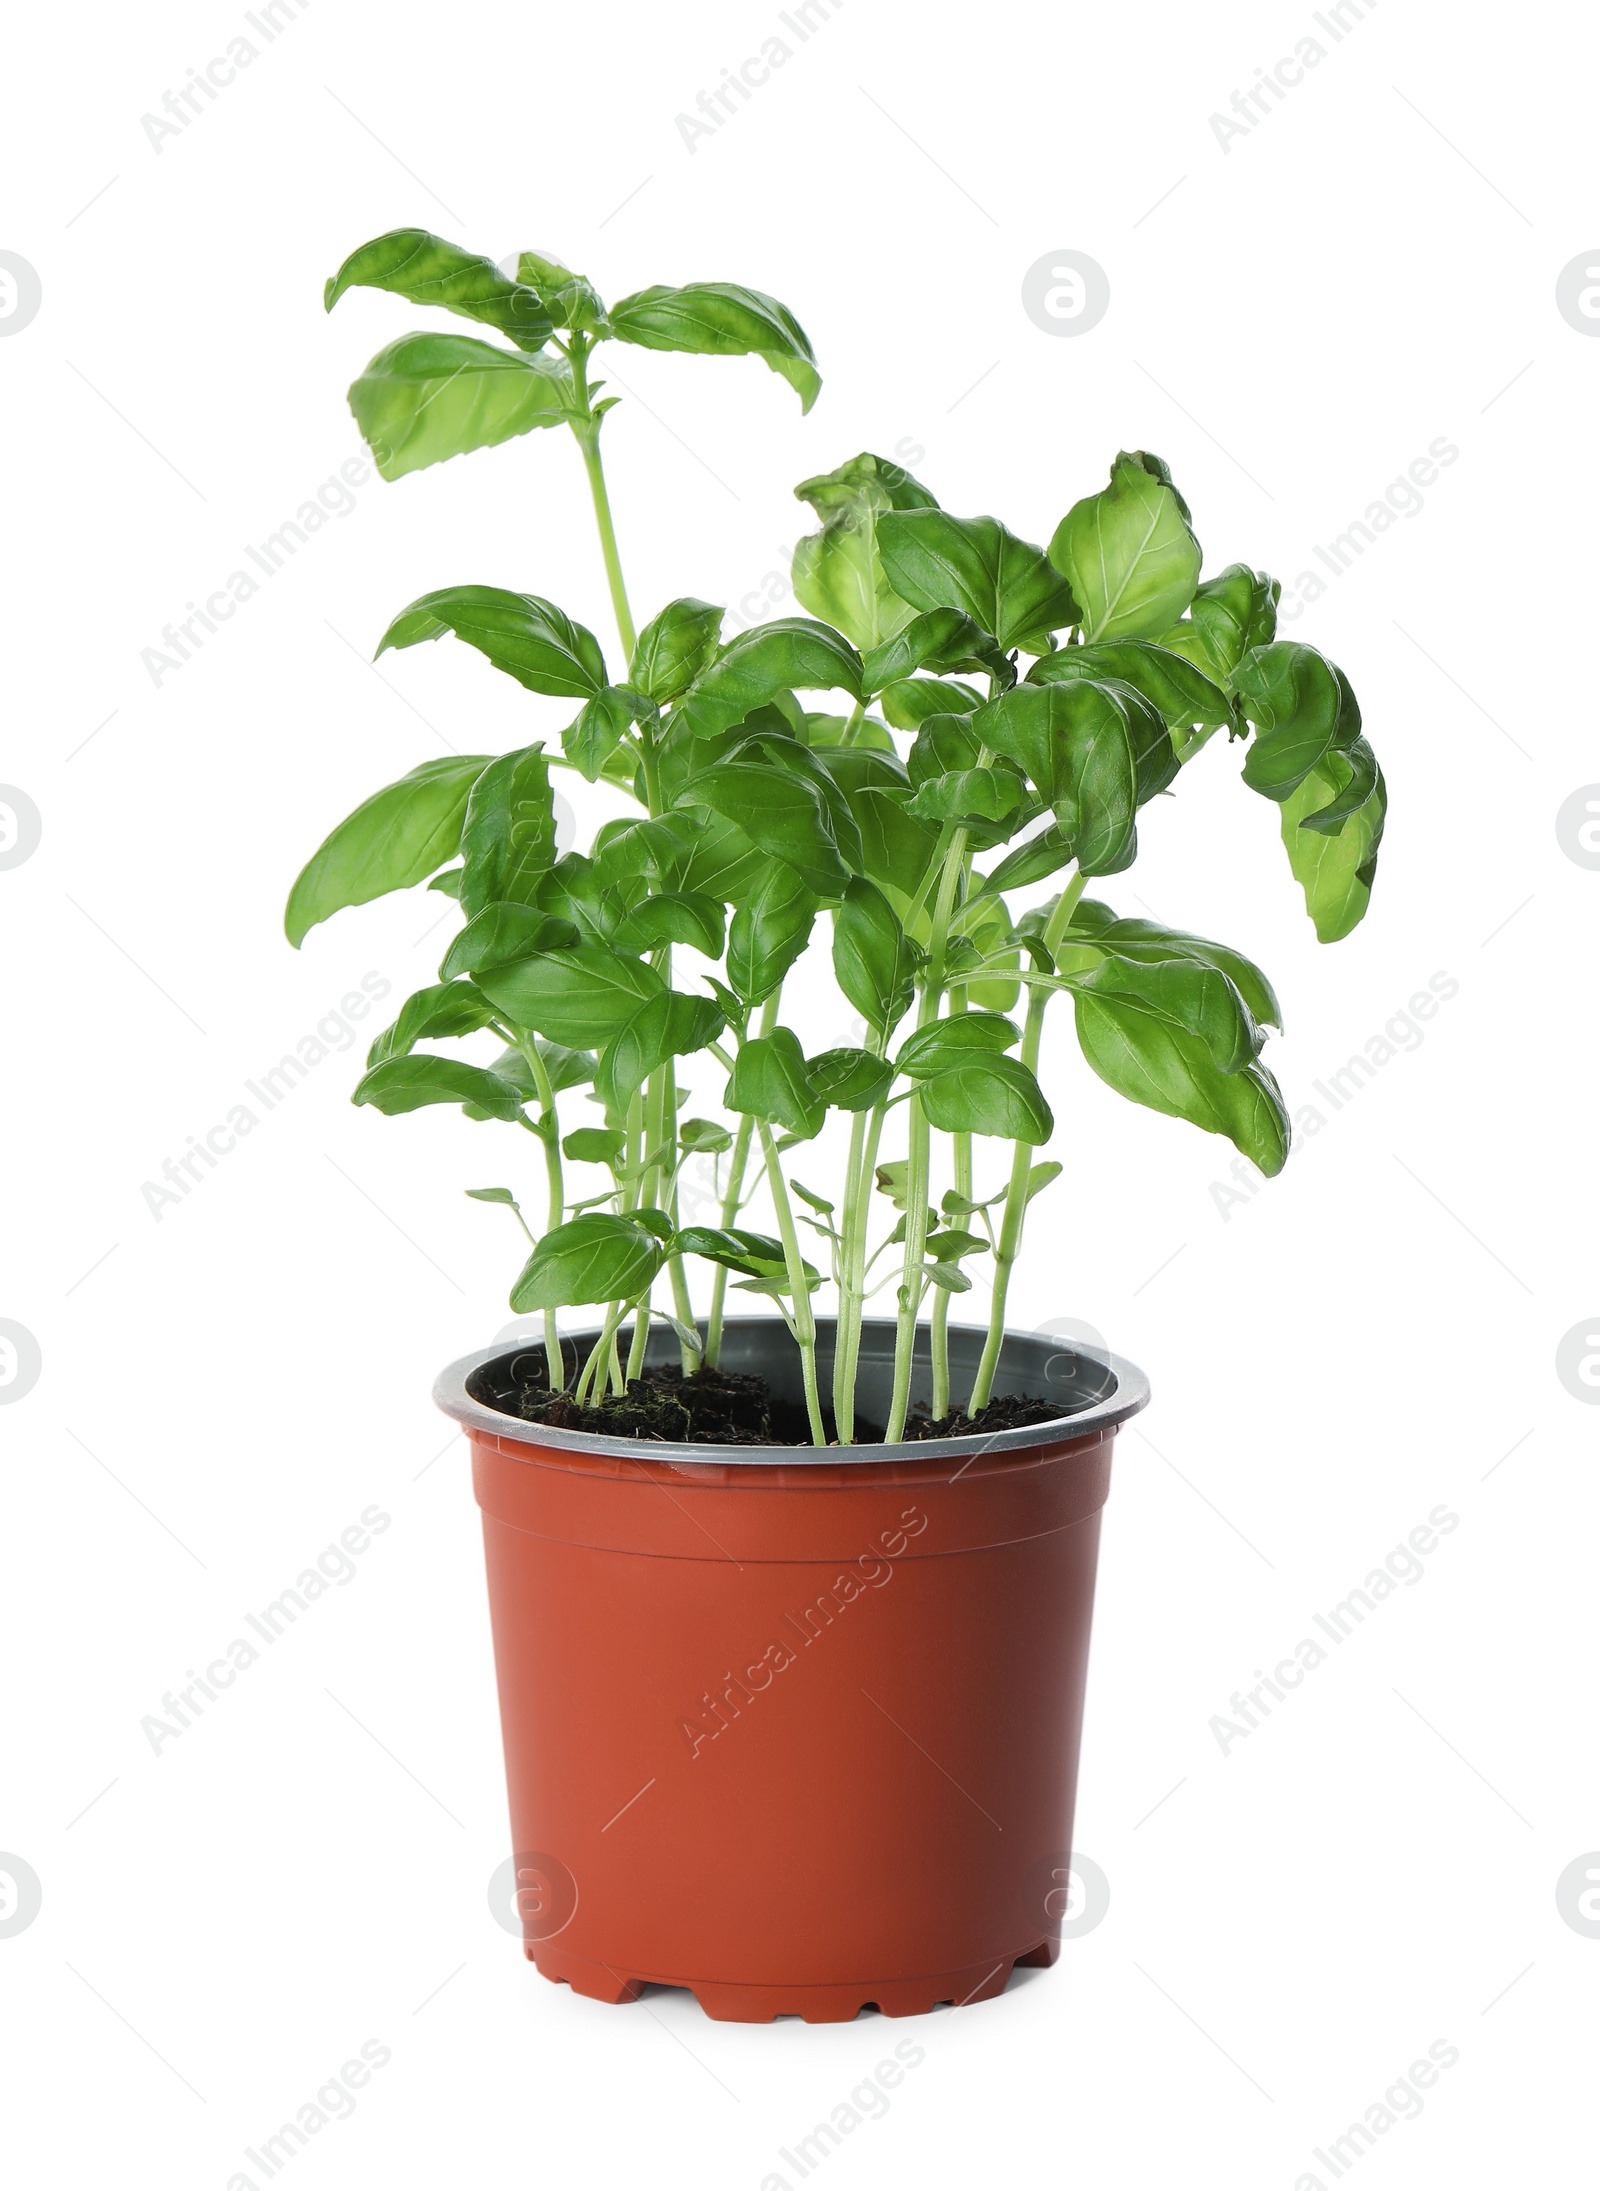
[1370, 1337]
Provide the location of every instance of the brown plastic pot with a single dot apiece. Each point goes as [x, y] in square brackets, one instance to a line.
[798, 1730]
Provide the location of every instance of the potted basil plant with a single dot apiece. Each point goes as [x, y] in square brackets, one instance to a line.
[791, 1608]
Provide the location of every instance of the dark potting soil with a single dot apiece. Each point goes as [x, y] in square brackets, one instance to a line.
[707, 1407]
[726, 1407]
[1012, 1412]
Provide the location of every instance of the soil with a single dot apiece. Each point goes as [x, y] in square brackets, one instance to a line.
[724, 1407]
[1012, 1412]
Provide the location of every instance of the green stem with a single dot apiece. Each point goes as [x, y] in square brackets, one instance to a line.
[805, 1324]
[598, 1353]
[550, 1135]
[586, 431]
[649, 1199]
[939, 1336]
[865, 1132]
[677, 1276]
[733, 1196]
[917, 1156]
[1016, 1204]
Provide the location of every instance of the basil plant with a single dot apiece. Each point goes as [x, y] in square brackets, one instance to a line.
[921, 777]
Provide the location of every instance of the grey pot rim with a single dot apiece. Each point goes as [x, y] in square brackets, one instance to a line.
[1129, 1394]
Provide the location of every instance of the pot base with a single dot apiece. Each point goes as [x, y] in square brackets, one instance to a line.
[838, 2004]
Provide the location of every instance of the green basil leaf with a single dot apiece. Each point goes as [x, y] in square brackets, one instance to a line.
[836, 572]
[392, 840]
[675, 648]
[987, 802]
[768, 932]
[1303, 710]
[757, 665]
[569, 298]
[844, 733]
[1042, 855]
[1150, 942]
[563, 1069]
[427, 398]
[947, 1277]
[769, 1081]
[1183, 694]
[944, 743]
[573, 892]
[448, 1008]
[508, 836]
[874, 961]
[847, 1080]
[1094, 752]
[493, 1194]
[705, 1135]
[908, 703]
[673, 917]
[448, 882]
[591, 741]
[1334, 870]
[862, 768]
[580, 997]
[501, 933]
[757, 1254]
[670, 1025]
[826, 773]
[1230, 614]
[700, 854]
[783, 814]
[721, 319]
[946, 1042]
[950, 1247]
[1166, 1070]
[896, 849]
[530, 639]
[595, 1145]
[984, 1093]
[407, 1083]
[1128, 552]
[1183, 992]
[413, 263]
[593, 1258]
[1004, 584]
[1358, 764]
[1041, 1176]
[937, 640]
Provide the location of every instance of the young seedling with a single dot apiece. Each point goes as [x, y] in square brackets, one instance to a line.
[1007, 711]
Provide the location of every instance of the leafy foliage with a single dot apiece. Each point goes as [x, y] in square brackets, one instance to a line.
[989, 698]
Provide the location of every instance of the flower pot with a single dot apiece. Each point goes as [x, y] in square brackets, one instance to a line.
[796, 1729]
